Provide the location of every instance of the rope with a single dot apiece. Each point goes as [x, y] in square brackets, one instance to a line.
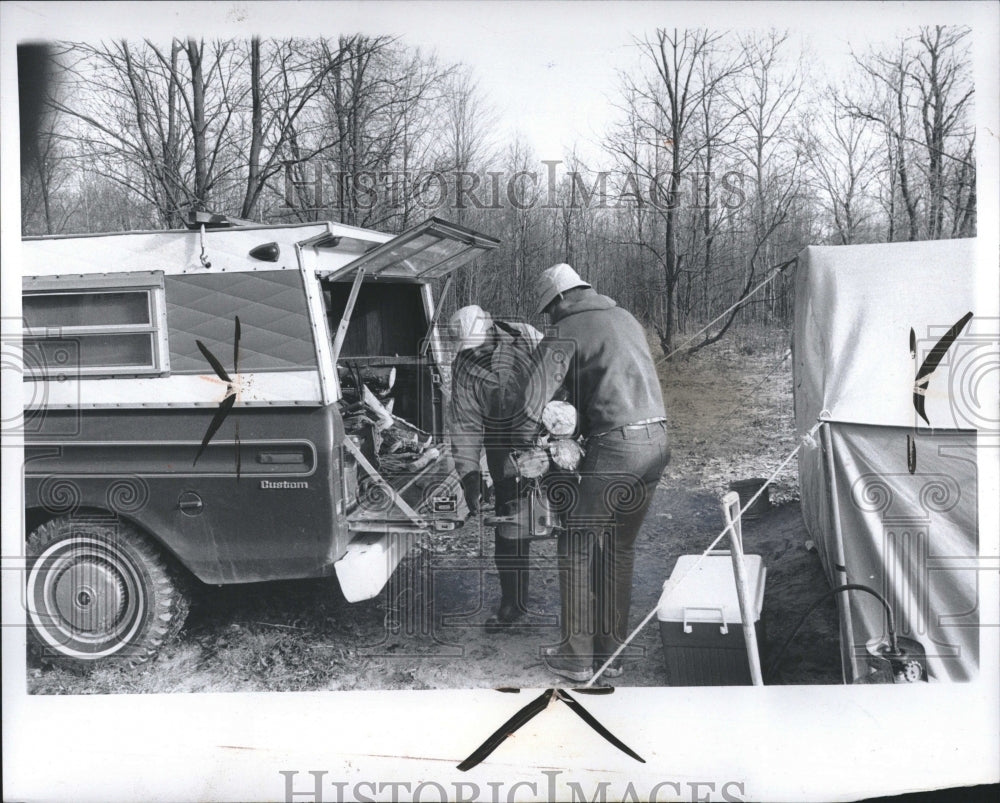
[774, 272]
[736, 409]
[728, 528]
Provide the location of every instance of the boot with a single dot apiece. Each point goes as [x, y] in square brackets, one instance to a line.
[505, 620]
[521, 597]
[513, 601]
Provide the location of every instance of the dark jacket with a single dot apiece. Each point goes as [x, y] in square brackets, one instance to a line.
[599, 353]
[486, 406]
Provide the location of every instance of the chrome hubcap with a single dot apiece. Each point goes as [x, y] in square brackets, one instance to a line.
[86, 597]
[89, 596]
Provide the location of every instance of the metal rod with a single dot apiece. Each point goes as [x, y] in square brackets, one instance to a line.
[438, 307]
[410, 513]
[345, 319]
[329, 382]
[731, 503]
[848, 660]
[203, 257]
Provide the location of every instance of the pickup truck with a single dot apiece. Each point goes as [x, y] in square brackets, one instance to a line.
[227, 404]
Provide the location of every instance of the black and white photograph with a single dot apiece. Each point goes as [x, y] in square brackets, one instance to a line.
[500, 401]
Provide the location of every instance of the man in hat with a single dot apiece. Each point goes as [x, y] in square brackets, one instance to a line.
[599, 355]
[491, 358]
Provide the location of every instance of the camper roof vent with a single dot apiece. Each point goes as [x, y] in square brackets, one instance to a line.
[195, 219]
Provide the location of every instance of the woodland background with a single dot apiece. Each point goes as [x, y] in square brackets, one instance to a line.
[728, 153]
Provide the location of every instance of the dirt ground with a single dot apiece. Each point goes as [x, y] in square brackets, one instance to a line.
[730, 411]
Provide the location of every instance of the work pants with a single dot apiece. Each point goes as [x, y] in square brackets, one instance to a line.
[596, 551]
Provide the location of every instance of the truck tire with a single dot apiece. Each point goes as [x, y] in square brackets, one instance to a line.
[99, 593]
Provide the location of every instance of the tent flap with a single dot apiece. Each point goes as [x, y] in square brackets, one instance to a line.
[906, 528]
[913, 538]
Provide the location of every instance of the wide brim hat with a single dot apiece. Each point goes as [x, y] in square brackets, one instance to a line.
[469, 327]
[554, 281]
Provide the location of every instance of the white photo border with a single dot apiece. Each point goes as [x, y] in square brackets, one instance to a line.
[771, 743]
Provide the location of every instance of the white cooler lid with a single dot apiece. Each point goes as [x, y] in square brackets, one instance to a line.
[710, 587]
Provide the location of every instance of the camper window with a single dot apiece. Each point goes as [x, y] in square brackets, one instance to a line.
[94, 326]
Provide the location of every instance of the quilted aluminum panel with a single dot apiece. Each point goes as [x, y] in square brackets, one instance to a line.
[274, 322]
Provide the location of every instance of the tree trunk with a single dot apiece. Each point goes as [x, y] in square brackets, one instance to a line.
[904, 183]
[256, 132]
[198, 124]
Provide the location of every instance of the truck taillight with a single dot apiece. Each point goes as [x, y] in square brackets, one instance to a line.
[348, 479]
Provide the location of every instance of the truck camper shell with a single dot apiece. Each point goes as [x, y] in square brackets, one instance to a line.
[209, 391]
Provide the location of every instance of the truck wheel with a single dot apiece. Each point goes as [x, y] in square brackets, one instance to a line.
[98, 593]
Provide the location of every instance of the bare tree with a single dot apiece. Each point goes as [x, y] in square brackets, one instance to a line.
[285, 79]
[377, 106]
[44, 173]
[716, 116]
[940, 73]
[842, 154]
[963, 198]
[765, 96]
[466, 122]
[663, 107]
[921, 94]
[125, 107]
[720, 175]
[885, 102]
[199, 125]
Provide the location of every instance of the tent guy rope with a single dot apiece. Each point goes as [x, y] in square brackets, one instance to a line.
[775, 271]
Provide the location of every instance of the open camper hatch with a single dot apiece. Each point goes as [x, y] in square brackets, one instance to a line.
[399, 473]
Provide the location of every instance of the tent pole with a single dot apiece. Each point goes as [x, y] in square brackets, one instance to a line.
[848, 662]
[731, 511]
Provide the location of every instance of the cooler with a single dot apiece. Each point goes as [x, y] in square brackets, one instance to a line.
[700, 623]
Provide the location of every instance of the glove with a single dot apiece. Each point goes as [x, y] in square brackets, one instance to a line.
[471, 487]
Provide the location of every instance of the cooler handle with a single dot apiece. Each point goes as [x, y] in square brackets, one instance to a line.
[687, 628]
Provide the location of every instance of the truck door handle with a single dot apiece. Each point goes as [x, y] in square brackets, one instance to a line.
[282, 458]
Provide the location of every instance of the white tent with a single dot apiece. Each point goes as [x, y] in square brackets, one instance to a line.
[889, 497]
